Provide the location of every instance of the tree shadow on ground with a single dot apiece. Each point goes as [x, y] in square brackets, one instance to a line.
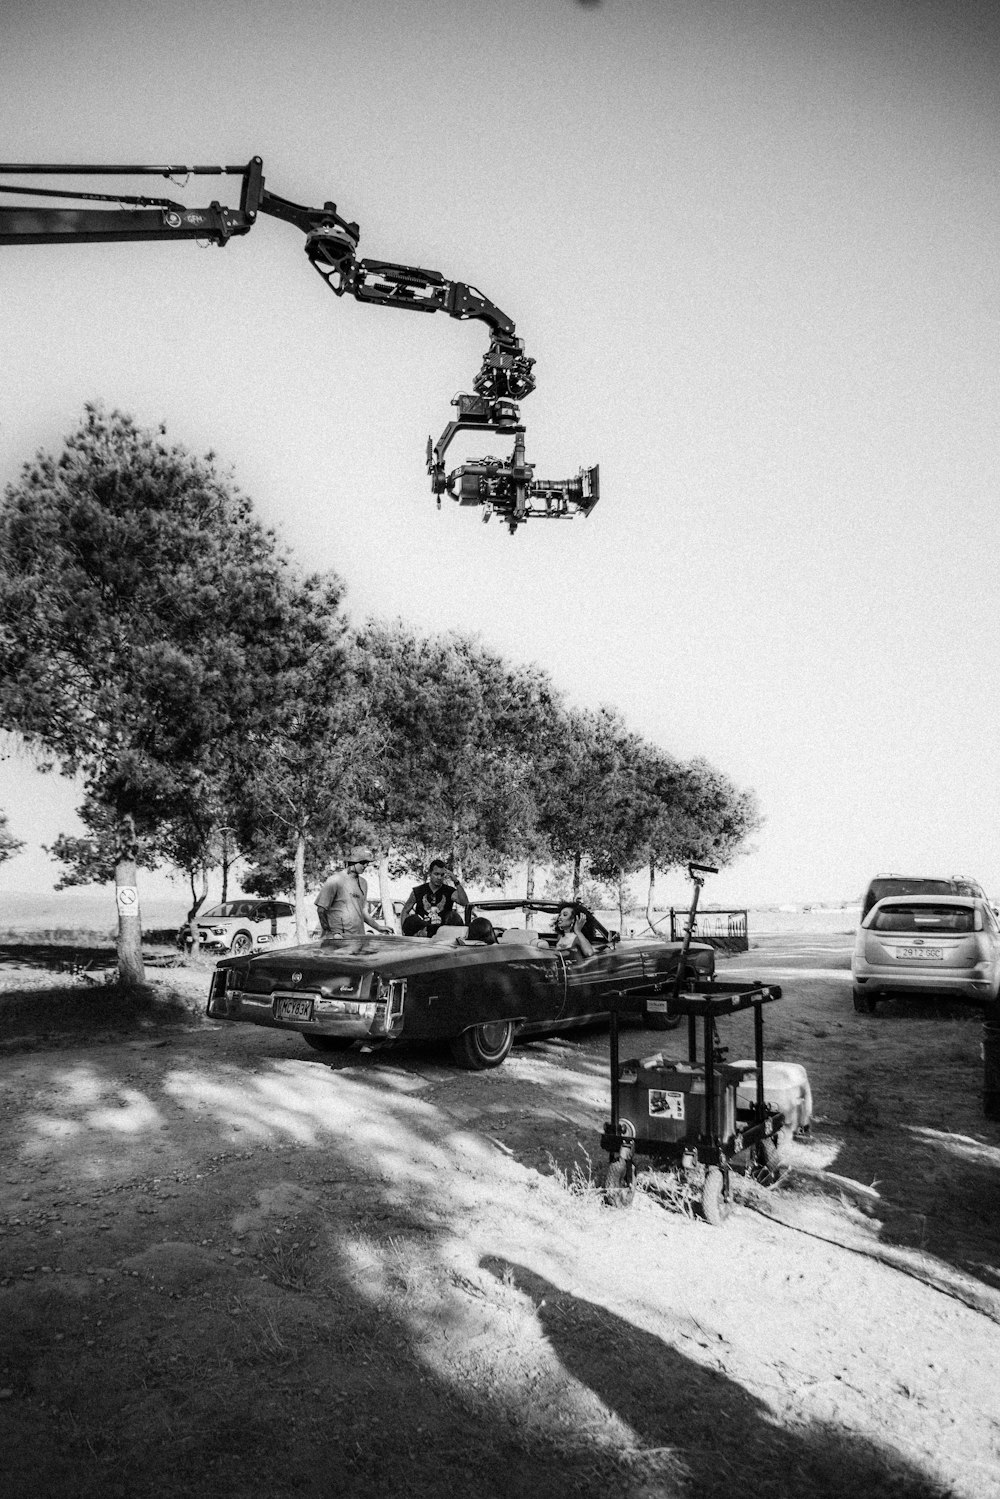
[315, 1337]
[80, 1017]
[910, 1120]
[340, 1351]
[694, 1425]
[898, 1099]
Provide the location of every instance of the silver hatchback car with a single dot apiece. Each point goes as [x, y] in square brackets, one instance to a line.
[927, 944]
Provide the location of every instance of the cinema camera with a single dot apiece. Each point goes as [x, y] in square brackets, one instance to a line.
[505, 487]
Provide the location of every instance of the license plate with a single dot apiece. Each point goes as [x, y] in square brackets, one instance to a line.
[929, 954]
[293, 1009]
[657, 1006]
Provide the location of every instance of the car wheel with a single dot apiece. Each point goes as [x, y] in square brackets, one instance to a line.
[658, 1022]
[619, 1183]
[483, 1046]
[864, 1001]
[329, 1043]
[241, 944]
[716, 1205]
[671, 1022]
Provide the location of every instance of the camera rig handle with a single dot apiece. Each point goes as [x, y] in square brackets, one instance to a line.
[504, 378]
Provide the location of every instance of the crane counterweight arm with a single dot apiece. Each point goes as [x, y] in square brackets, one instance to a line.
[504, 378]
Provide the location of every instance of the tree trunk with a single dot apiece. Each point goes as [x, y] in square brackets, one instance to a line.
[131, 973]
[576, 876]
[456, 858]
[385, 895]
[301, 935]
[622, 901]
[651, 897]
[197, 901]
[529, 880]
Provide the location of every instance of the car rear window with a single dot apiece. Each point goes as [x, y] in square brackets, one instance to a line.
[925, 919]
[879, 889]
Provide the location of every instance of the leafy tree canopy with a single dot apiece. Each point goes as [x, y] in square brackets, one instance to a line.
[9, 845]
[462, 732]
[143, 612]
[142, 609]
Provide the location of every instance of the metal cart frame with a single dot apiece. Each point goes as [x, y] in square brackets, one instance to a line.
[702, 1156]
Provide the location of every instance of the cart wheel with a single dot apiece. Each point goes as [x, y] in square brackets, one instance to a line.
[716, 1204]
[769, 1160]
[864, 1002]
[619, 1183]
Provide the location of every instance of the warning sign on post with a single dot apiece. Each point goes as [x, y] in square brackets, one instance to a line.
[127, 897]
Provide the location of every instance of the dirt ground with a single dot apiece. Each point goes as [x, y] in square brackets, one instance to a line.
[229, 1266]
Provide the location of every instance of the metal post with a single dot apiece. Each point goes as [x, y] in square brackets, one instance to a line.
[710, 1119]
[614, 1070]
[758, 1056]
[991, 1062]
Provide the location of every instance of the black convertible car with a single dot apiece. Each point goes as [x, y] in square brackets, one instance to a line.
[377, 989]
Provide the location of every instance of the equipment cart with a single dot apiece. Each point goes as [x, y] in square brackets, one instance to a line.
[686, 1115]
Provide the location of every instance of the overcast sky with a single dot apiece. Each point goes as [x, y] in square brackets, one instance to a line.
[752, 247]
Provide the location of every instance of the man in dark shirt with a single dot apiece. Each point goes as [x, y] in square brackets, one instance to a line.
[434, 903]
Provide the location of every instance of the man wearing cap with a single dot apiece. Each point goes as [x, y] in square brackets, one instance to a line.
[342, 903]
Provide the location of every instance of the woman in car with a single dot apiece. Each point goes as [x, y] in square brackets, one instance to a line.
[481, 933]
[570, 935]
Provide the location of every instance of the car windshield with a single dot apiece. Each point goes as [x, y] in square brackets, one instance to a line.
[925, 919]
[244, 908]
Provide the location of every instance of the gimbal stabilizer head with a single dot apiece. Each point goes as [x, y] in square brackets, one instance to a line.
[505, 486]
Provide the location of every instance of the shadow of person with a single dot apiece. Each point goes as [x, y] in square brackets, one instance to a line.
[697, 1431]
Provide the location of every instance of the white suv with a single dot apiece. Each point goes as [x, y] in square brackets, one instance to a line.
[244, 926]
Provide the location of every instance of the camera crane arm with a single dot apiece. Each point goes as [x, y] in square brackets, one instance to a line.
[331, 242]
